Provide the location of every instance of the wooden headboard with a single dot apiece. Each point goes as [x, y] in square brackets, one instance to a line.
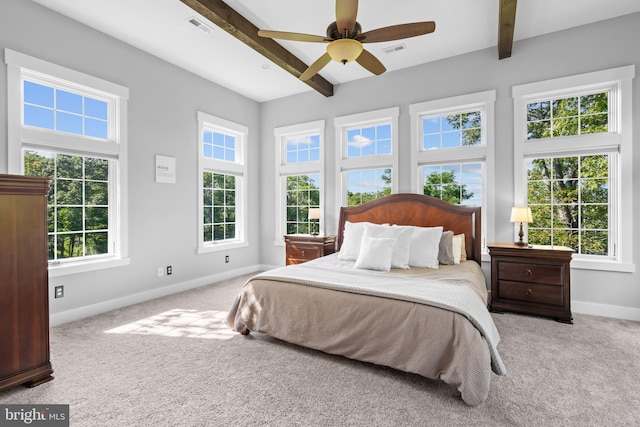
[421, 211]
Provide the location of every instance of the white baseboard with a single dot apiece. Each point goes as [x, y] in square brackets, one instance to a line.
[266, 267]
[595, 309]
[102, 307]
[605, 310]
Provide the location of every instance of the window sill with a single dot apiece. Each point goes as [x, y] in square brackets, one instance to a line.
[619, 267]
[64, 269]
[221, 246]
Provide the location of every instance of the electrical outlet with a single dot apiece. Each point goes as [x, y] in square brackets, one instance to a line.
[226, 258]
[160, 271]
[59, 291]
[169, 270]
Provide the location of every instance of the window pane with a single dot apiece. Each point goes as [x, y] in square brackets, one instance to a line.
[568, 116]
[76, 204]
[49, 108]
[67, 101]
[68, 192]
[219, 215]
[96, 169]
[71, 123]
[452, 130]
[459, 183]
[95, 108]
[366, 185]
[95, 128]
[431, 125]
[38, 94]
[369, 141]
[38, 117]
[569, 201]
[69, 245]
[97, 243]
[96, 193]
[218, 145]
[69, 166]
[303, 192]
[96, 218]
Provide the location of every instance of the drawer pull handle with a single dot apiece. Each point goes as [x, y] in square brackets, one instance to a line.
[529, 292]
[528, 273]
[302, 253]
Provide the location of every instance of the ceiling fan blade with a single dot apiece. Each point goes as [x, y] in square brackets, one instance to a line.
[293, 36]
[315, 67]
[371, 63]
[397, 32]
[346, 13]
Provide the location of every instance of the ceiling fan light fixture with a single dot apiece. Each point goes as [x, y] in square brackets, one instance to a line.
[344, 50]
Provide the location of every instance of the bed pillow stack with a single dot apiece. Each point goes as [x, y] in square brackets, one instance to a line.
[382, 247]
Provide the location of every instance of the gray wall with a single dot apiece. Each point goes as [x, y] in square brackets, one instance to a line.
[589, 48]
[162, 120]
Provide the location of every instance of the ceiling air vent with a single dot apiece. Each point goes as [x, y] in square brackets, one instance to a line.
[395, 48]
[200, 25]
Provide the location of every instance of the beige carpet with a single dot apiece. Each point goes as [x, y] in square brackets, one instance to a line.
[172, 362]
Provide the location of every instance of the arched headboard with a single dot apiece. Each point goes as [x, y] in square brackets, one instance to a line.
[421, 211]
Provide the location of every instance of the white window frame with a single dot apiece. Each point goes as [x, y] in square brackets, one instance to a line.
[381, 161]
[283, 170]
[483, 154]
[238, 168]
[618, 142]
[21, 67]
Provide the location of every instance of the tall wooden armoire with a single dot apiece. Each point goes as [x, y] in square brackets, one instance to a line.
[24, 287]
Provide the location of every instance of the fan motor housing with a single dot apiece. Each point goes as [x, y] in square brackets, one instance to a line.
[334, 34]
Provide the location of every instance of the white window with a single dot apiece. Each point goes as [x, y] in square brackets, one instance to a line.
[222, 175]
[72, 127]
[300, 178]
[452, 152]
[573, 165]
[367, 156]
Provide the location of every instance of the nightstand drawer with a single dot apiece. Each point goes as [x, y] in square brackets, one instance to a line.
[304, 252]
[541, 294]
[305, 247]
[530, 273]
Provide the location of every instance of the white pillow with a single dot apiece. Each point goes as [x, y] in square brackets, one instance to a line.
[351, 239]
[401, 251]
[425, 246]
[463, 248]
[376, 253]
[458, 241]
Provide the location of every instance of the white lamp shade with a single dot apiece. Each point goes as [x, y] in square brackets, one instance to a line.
[314, 213]
[521, 214]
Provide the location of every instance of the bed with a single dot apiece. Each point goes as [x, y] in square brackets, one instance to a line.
[429, 321]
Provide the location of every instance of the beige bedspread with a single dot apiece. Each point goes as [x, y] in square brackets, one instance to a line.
[410, 336]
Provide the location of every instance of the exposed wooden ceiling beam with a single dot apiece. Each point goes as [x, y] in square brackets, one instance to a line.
[506, 26]
[238, 26]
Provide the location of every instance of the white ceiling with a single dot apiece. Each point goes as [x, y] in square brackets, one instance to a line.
[162, 28]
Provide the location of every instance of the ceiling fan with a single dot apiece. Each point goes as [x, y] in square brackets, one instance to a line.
[345, 38]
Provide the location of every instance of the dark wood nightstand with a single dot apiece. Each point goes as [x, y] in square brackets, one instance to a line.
[533, 280]
[305, 247]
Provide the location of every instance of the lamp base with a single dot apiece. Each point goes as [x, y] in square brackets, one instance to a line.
[315, 233]
[521, 243]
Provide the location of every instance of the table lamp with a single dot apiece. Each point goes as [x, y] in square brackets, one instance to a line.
[521, 214]
[314, 213]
